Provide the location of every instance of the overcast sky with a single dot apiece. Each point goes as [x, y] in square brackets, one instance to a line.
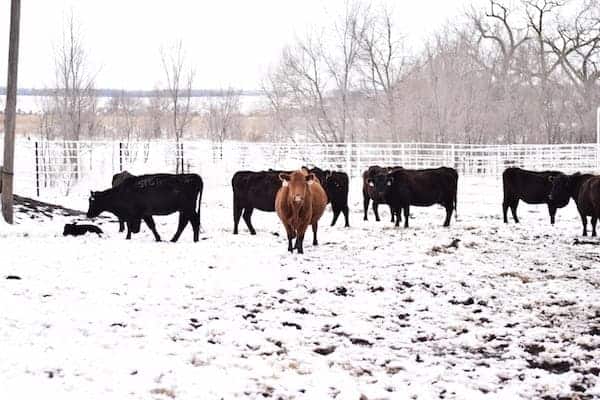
[230, 42]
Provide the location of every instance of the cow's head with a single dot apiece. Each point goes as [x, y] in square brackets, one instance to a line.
[379, 185]
[95, 204]
[561, 189]
[297, 183]
[69, 229]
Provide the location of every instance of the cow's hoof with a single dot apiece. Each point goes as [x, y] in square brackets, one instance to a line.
[315, 243]
[253, 233]
[235, 232]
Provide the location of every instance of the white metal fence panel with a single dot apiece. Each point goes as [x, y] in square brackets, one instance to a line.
[60, 166]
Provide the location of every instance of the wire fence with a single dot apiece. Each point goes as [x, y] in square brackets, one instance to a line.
[59, 166]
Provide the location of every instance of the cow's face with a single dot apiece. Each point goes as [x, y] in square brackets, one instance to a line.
[95, 207]
[68, 229]
[561, 189]
[297, 184]
[379, 185]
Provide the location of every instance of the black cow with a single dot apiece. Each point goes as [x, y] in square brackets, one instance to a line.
[375, 172]
[532, 187]
[117, 179]
[143, 196]
[408, 187]
[584, 189]
[78, 230]
[336, 185]
[253, 190]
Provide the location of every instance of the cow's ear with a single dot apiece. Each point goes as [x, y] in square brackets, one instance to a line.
[310, 178]
[285, 178]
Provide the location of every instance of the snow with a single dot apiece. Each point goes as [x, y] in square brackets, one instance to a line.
[511, 312]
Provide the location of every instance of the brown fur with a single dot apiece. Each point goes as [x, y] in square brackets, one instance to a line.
[297, 215]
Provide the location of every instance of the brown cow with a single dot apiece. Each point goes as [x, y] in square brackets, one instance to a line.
[300, 202]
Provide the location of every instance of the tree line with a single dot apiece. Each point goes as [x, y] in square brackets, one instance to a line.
[525, 71]
[506, 71]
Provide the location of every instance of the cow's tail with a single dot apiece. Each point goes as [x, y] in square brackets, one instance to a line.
[200, 204]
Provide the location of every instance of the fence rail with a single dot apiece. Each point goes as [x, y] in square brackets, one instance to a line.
[46, 166]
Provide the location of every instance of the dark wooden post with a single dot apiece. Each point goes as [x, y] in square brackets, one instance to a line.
[7, 175]
[120, 156]
[37, 170]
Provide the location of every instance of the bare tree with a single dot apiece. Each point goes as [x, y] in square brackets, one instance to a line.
[342, 57]
[179, 79]
[383, 55]
[74, 97]
[223, 116]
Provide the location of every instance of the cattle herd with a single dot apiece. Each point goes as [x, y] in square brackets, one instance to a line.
[300, 197]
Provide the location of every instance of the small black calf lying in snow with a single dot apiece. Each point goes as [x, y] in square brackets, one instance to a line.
[78, 230]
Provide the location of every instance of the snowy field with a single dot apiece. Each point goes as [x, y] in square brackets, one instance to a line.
[478, 310]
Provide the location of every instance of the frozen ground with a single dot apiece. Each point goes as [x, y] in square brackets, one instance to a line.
[373, 313]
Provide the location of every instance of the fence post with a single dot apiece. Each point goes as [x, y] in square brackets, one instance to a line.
[37, 170]
[348, 162]
[182, 160]
[120, 156]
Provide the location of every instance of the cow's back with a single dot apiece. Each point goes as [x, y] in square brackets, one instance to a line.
[159, 194]
[120, 177]
[256, 189]
[533, 187]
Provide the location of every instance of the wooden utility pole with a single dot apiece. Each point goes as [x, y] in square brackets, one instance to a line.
[10, 113]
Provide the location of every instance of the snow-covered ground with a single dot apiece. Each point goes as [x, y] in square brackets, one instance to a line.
[508, 311]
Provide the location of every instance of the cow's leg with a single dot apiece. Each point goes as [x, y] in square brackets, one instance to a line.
[376, 210]
[336, 214]
[392, 213]
[448, 213]
[406, 213]
[346, 211]
[315, 226]
[128, 237]
[121, 225]
[513, 209]
[195, 221]
[237, 214]
[366, 200]
[398, 211]
[594, 220]
[150, 222]
[583, 221]
[248, 220]
[290, 236]
[300, 238]
[552, 212]
[505, 204]
[183, 220]
[299, 242]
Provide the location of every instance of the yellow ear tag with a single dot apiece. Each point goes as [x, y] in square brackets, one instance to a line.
[285, 184]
